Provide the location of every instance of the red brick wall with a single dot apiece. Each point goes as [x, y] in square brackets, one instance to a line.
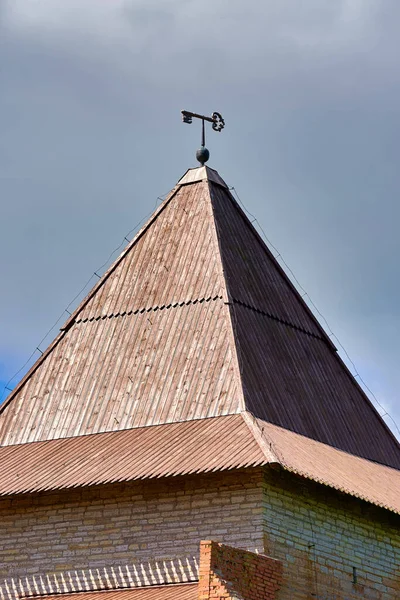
[227, 572]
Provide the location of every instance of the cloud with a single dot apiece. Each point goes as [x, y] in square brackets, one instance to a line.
[258, 24]
[91, 135]
[55, 15]
[259, 43]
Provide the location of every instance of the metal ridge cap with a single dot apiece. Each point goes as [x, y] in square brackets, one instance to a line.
[203, 173]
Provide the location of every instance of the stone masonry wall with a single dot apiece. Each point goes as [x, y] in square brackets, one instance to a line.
[333, 547]
[123, 535]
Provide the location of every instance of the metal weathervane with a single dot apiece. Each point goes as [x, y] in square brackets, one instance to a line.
[218, 124]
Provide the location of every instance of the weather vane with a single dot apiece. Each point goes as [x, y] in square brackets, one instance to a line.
[218, 124]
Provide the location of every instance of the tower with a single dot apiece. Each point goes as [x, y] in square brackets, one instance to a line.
[193, 397]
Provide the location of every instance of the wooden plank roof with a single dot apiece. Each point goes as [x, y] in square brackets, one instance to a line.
[195, 319]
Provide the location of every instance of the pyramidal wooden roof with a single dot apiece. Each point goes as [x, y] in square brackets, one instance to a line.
[195, 319]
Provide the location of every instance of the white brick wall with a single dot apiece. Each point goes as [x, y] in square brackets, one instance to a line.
[141, 528]
[149, 532]
[320, 535]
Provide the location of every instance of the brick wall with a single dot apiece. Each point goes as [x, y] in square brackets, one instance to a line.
[134, 534]
[320, 535]
[227, 573]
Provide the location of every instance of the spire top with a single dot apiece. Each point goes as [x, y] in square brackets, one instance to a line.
[218, 124]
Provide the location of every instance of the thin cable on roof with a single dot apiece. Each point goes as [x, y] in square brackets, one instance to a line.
[66, 310]
[278, 255]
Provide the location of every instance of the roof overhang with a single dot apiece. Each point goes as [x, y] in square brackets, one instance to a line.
[191, 447]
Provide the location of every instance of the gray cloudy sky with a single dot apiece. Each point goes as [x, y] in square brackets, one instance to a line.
[90, 135]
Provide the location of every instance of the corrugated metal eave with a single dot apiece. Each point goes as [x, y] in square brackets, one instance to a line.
[338, 488]
[49, 488]
[170, 450]
[310, 459]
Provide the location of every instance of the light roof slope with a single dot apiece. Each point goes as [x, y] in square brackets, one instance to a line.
[174, 260]
[152, 343]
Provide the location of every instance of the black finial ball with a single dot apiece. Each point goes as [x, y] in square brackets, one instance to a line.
[202, 155]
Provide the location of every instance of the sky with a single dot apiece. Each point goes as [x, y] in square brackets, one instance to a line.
[91, 136]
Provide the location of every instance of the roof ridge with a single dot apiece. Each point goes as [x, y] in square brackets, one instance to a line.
[228, 299]
[268, 449]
